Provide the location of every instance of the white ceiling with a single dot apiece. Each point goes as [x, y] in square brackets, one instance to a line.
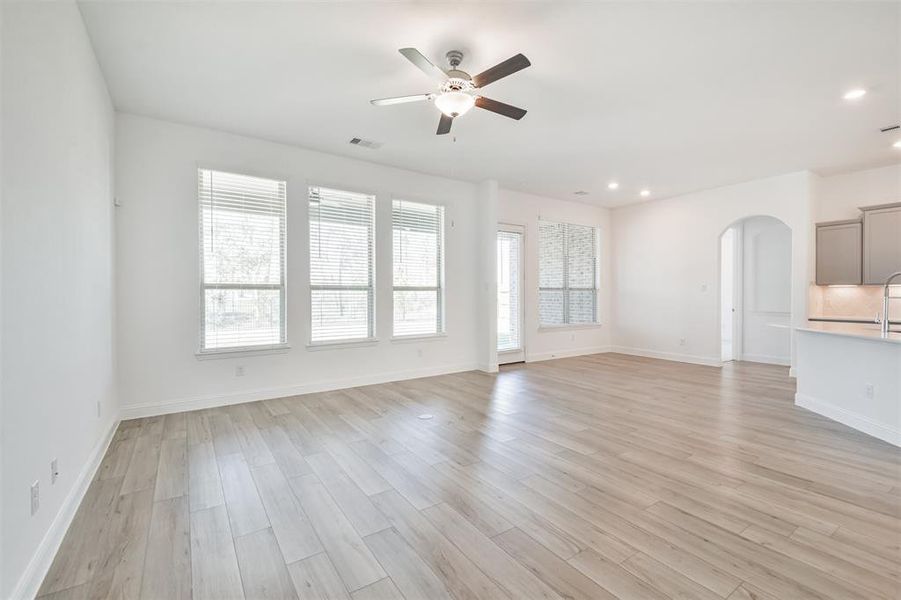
[673, 97]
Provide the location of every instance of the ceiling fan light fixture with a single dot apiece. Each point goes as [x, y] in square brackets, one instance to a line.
[454, 104]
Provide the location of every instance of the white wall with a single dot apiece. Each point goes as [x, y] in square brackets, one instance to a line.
[839, 196]
[766, 290]
[486, 238]
[518, 208]
[158, 272]
[57, 278]
[666, 264]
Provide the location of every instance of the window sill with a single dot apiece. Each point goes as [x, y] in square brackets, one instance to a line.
[243, 351]
[566, 327]
[339, 344]
[400, 339]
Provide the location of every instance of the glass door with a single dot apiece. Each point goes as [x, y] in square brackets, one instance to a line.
[509, 294]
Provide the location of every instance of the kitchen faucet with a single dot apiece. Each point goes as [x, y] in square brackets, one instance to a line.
[885, 302]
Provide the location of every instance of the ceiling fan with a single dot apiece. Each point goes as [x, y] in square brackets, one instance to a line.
[458, 92]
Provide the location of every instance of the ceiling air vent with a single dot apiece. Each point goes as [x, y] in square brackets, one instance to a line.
[580, 193]
[366, 143]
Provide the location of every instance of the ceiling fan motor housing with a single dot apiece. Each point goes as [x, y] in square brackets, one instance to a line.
[454, 58]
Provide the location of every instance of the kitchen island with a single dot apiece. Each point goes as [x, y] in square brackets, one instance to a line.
[851, 374]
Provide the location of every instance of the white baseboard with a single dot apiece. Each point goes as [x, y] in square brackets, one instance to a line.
[30, 581]
[710, 361]
[185, 404]
[539, 356]
[886, 433]
[767, 359]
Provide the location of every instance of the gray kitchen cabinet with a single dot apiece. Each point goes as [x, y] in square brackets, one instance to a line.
[838, 253]
[881, 242]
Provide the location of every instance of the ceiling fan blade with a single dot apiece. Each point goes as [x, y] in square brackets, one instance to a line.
[424, 64]
[500, 108]
[444, 124]
[401, 99]
[508, 67]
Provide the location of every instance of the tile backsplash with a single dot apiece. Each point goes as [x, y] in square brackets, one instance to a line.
[857, 301]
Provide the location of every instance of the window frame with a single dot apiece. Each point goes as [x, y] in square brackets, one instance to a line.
[565, 290]
[439, 289]
[371, 338]
[282, 286]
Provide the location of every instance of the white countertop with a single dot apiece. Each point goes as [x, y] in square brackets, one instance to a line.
[869, 332]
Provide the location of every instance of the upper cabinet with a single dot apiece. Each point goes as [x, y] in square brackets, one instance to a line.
[881, 242]
[838, 253]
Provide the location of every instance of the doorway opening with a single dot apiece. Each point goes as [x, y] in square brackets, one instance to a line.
[755, 291]
[509, 294]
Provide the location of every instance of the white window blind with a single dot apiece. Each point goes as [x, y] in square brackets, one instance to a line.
[567, 273]
[418, 243]
[342, 228]
[242, 221]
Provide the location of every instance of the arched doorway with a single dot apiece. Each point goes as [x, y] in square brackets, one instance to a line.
[755, 291]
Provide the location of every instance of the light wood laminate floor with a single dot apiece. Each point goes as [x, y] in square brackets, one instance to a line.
[594, 477]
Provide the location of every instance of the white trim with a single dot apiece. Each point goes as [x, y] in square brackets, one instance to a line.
[339, 344]
[199, 402]
[568, 326]
[428, 337]
[851, 419]
[33, 575]
[792, 373]
[767, 359]
[239, 352]
[710, 361]
[540, 356]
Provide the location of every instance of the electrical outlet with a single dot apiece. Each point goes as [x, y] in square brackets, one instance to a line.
[239, 371]
[703, 287]
[35, 496]
[870, 391]
[681, 341]
[54, 471]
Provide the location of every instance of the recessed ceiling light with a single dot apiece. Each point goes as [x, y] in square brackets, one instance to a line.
[855, 94]
[897, 144]
[644, 193]
[612, 185]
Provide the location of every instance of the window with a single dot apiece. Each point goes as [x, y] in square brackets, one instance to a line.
[418, 241]
[342, 226]
[509, 274]
[567, 274]
[242, 270]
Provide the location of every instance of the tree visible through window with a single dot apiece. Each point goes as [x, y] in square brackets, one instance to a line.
[242, 221]
[342, 230]
[418, 244]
